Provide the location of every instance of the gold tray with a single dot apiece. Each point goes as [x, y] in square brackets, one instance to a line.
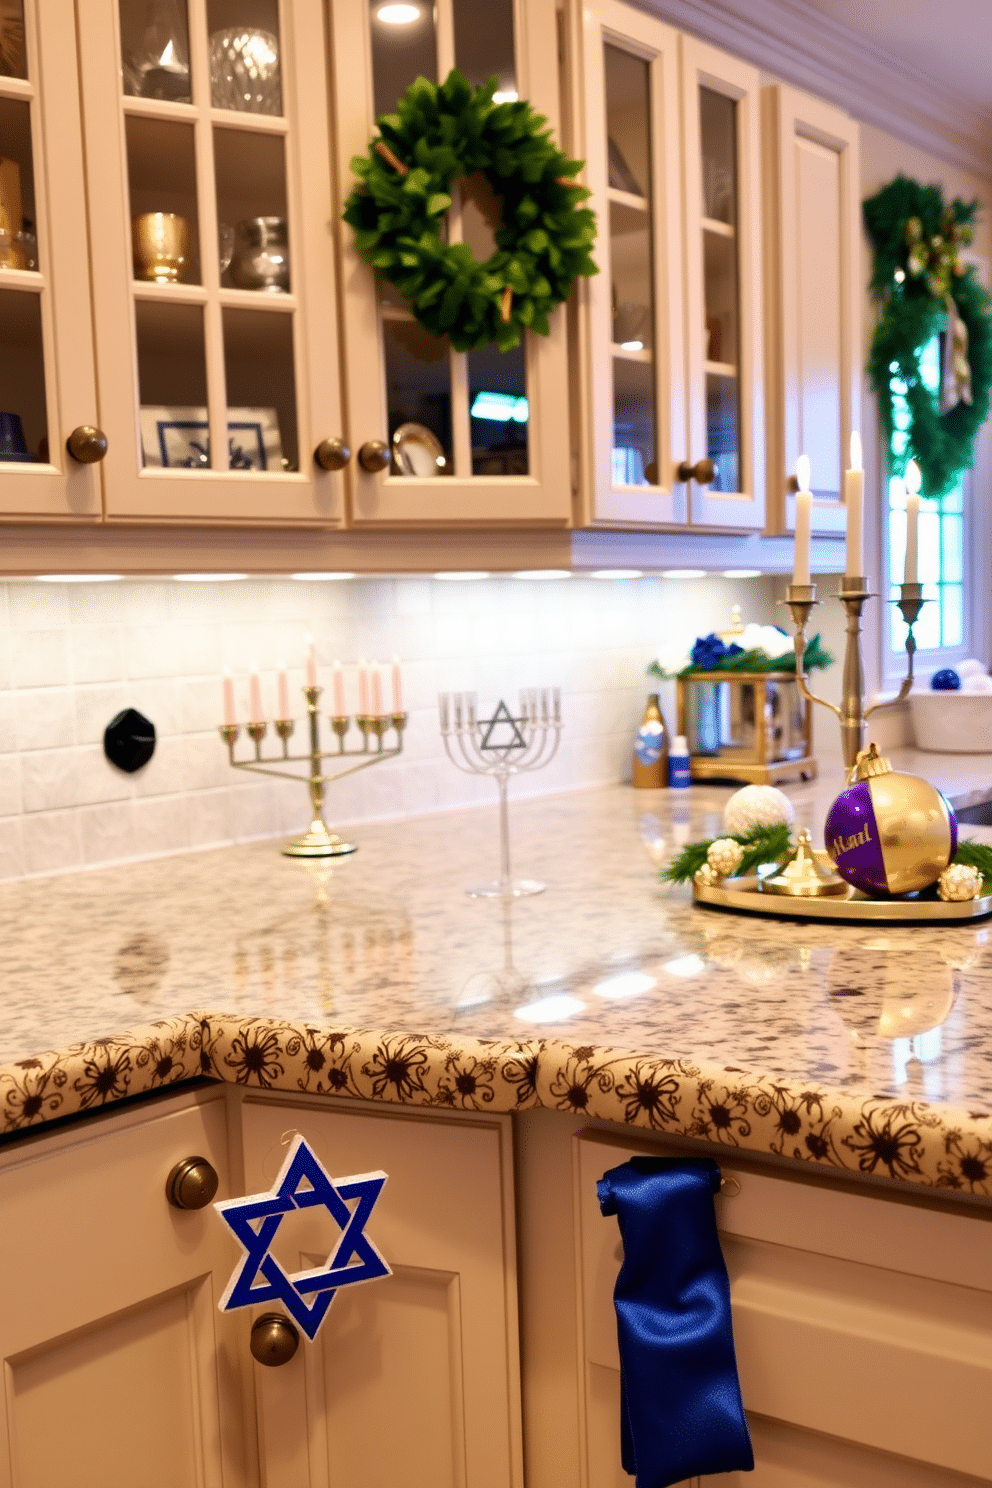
[743, 894]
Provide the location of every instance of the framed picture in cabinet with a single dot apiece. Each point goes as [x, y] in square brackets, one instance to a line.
[179, 438]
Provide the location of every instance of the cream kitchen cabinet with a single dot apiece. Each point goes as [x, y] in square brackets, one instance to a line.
[483, 435]
[813, 294]
[121, 1369]
[48, 385]
[670, 334]
[863, 1328]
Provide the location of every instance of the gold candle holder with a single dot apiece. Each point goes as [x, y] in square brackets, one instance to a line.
[318, 841]
[160, 243]
[852, 712]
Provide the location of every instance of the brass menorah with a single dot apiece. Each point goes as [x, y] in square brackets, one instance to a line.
[318, 841]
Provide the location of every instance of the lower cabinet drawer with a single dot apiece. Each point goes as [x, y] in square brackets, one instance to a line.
[863, 1330]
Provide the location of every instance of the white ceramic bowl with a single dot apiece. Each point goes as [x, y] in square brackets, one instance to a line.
[952, 722]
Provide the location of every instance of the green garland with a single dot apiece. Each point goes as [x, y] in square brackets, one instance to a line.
[436, 135]
[815, 658]
[761, 845]
[917, 267]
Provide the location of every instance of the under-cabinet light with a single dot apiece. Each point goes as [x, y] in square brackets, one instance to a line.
[615, 573]
[208, 578]
[454, 576]
[543, 573]
[742, 573]
[500, 408]
[683, 573]
[79, 578]
[398, 15]
[320, 578]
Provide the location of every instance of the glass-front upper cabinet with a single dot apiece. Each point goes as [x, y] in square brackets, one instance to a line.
[630, 320]
[721, 111]
[208, 156]
[441, 436]
[47, 381]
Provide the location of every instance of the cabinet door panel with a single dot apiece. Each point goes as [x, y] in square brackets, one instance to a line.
[721, 103]
[47, 376]
[831, 1322]
[630, 315]
[502, 455]
[219, 373]
[112, 1329]
[813, 283]
[412, 1378]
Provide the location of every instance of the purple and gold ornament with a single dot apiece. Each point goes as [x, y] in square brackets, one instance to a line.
[889, 833]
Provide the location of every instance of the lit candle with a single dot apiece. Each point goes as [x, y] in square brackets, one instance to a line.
[230, 717]
[376, 691]
[914, 480]
[397, 687]
[363, 688]
[311, 663]
[804, 503]
[283, 691]
[854, 500]
[255, 695]
[338, 681]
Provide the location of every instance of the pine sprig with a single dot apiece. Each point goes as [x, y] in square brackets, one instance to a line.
[975, 855]
[760, 844]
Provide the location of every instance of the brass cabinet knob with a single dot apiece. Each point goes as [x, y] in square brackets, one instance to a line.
[703, 472]
[191, 1184]
[332, 454]
[274, 1340]
[374, 456]
[87, 444]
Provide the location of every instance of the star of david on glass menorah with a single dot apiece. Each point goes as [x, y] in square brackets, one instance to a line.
[501, 746]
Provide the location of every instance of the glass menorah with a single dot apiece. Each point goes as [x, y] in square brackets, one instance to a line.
[501, 746]
[318, 841]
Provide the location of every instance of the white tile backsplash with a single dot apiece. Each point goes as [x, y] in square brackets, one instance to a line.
[73, 655]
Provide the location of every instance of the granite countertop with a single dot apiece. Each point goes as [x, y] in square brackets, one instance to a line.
[865, 1048]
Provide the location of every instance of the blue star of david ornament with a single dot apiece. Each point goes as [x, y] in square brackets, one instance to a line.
[303, 1183]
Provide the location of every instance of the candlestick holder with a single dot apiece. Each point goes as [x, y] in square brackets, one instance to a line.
[499, 747]
[318, 841]
[852, 713]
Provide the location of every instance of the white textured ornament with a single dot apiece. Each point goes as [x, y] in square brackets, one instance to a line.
[757, 806]
[705, 877]
[724, 856]
[959, 882]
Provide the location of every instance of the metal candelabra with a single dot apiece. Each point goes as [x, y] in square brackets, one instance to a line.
[852, 712]
[318, 841]
[501, 746]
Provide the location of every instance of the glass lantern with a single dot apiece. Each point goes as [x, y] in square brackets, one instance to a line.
[750, 726]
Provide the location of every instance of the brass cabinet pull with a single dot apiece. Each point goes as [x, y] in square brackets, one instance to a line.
[332, 454]
[191, 1184]
[87, 444]
[374, 456]
[274, 1340]
[702, 472]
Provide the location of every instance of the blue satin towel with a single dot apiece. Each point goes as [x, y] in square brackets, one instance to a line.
[681, 1408]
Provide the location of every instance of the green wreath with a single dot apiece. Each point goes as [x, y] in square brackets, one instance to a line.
[924, 288]
[436, 135]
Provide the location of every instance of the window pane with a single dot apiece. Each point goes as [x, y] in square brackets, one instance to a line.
[245, 55]
[261, 390]
[18, 240]
[402, 50]
[418, 393]
[952, 607]
[720, 294]
[23, 420]
[497, 383]
[952, 549]
[630, 261]
[718, 131]
[929, 546]
[484, 44]
[13, 55]
[251, 210]
[155, 49]
[162, 183]
[173, 384]
[633, 424]
[722, 426]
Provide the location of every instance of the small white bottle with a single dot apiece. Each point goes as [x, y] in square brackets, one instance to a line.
[678, 763]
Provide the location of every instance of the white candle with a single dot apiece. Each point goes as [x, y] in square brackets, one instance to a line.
[376, 691]
[854, 500]
[230, 717]
[804, 503]
[363, 688]
[914, 480]
[397, 687]
[338, 682]
[255, 695]
[311, 663]
[283, 691]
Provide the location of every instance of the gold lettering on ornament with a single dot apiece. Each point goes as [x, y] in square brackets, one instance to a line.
[842, 845]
